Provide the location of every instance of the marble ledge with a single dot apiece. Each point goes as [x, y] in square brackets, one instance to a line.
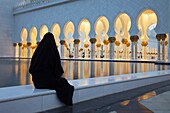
[18, 92]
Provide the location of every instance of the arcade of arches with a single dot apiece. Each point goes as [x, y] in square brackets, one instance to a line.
[146, 45]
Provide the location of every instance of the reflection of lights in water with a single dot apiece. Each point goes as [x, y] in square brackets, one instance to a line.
[23, 72]
[72, 70]
[125, 103]
[16, 68]
[86, 70]
[147, 96]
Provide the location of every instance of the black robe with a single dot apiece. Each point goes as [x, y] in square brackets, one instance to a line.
[46, 70]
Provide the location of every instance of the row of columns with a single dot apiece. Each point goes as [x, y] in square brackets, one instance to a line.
[112, 40]
[27, 46]
[161, 37]
[93, 46]
[134, 40]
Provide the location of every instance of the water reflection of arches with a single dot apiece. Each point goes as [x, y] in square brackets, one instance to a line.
[43, 31]
[122, 25]
[68, 36]
[56, 32]
[84, 30]
[146, 22]
[101, 29]
[33, 39]
[23, 36]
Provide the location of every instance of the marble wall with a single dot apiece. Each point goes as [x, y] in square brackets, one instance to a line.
[90, 9]
[75, 11]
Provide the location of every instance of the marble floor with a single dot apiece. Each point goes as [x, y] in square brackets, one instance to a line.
[150, 99]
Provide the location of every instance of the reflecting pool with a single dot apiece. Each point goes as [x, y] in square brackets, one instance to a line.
[15, 72]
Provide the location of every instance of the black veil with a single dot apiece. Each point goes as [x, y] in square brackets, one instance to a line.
[46, 55]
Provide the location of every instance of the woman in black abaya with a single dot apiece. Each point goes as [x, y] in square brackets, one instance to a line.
[46, 70]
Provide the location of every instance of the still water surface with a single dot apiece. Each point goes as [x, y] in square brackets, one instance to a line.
[15, 72]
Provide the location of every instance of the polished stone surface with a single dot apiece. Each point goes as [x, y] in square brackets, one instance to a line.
[131, 101]
[15, 72]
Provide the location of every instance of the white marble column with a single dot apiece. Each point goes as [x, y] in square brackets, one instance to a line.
[158, 50]
[136, 50]
[20, 49]
[98, 50]
[132, 50]
[76, 48]
[124, 42]
[159, 37]
[29, 52]
[86, 53]
[62, 42]
[93, 51]
[93, 41]
[29, 49]
[15, 48]
[163, 49]
[106, 51]
[111, 50]
[117, 43]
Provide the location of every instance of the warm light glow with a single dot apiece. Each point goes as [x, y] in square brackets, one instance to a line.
[33, 36]
[84, 27]
[122, 25]
[43, 31]
[147, 96]
[146, 20]
[56, 32]
[101, 29]
[68, 36]
[24, 35]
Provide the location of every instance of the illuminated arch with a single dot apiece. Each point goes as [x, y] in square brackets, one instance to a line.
[24, 35]
[147, 20]
[84, 30]
[56, 32]
[43, 31]
[122, 25]
[68, 32]
[101, 29]
[33, 35]
[68, 36]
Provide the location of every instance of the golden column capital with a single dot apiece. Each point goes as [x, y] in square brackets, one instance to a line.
[160, 36]
[25, 45]
[98, 45]
[124, 41]
[112, 39]
[144, 43]
[29, 43]
[19, 44]
[106, 42]
[15, 44]
[117, 43]
[134, 38]
[62, 42]
[86, 45]
[93, 40]
[166, 43]
[128, 44]
[76, 41]
[38, 43]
